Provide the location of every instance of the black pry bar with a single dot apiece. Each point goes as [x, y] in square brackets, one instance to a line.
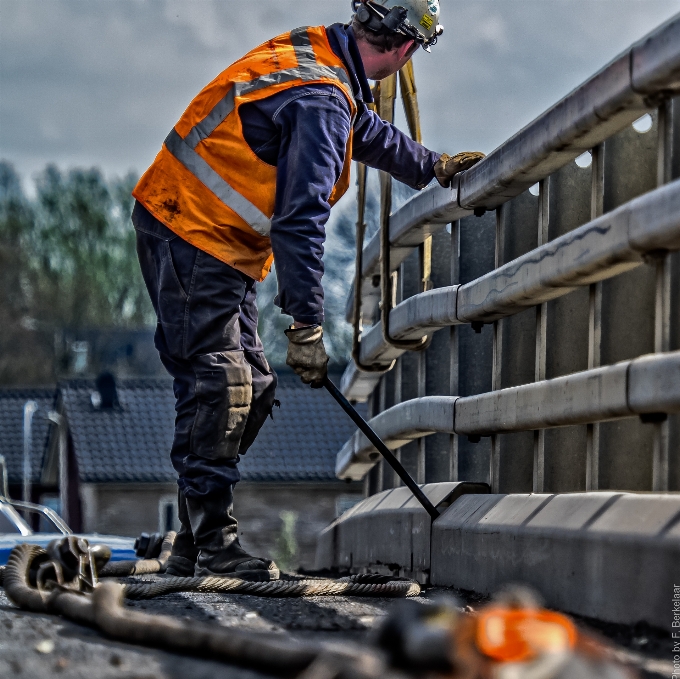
[381, 447]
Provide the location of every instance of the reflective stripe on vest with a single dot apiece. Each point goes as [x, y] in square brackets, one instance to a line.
[183, 148]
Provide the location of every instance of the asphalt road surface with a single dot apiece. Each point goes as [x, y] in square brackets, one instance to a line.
[41, 646]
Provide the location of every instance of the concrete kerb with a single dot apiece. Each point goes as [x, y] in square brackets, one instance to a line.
[606, 555]
[388, 532]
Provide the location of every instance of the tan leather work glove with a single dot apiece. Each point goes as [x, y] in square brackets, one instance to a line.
[447, 167]
[306, 354]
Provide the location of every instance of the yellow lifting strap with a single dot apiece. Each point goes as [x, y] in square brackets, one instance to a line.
[409, 96]
[385, 95]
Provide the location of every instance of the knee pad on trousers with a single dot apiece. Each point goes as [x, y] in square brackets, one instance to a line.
[223, 394]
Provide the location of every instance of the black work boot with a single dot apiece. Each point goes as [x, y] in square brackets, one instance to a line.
[184, 552]
[216, 536]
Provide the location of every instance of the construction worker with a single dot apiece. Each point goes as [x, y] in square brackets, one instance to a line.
[248, 176]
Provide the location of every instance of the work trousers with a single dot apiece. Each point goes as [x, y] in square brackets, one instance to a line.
[207, 339]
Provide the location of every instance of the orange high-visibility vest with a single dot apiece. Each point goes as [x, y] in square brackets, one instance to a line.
[206, 184]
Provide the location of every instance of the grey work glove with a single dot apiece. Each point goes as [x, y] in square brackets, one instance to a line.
[447, 167]
[306, 354]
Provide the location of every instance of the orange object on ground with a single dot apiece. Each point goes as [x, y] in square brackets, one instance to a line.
[516, 635]
[206, 184]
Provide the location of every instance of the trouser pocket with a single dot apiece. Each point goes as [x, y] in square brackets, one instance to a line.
[223, 395]
[264, 391]
[162, 259]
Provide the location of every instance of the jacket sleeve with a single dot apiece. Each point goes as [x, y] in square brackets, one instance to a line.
[381, 145]
[314, 128]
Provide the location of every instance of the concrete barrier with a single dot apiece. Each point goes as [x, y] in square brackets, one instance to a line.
[388, 532]
[606, 555]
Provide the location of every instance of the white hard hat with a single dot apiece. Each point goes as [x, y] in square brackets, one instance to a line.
[417, 19]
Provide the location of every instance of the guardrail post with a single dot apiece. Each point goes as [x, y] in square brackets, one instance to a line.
[412, 368]
[371, 479]
[674, 304]
[567, 332]
[595, 320]
[497, 360]
[437, 366]
[454, 366]
[379, 469]
[515, 350]
[398, 372]
[628, 303]
[397, 399]
[389, 398]
[541, 337]
[662, 310]
[473, 354]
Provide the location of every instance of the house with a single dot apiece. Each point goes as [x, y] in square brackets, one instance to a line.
[13, 402]
[120, 481]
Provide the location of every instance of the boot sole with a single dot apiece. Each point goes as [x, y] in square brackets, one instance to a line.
[255, 575]
[175, 573]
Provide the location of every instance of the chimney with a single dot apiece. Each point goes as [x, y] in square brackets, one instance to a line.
[108, 393]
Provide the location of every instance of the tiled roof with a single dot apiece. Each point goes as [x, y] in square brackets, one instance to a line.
[132, 443]
[127, 443]
[12, 429]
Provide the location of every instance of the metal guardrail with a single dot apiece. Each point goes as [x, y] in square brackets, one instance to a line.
[592, 259]
[644, 386]
[32, 508]
[598, 250]
[613, 98]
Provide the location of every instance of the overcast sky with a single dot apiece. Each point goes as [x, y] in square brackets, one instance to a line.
[101, 82]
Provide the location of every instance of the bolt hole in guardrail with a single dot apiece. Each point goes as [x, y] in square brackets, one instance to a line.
[643, 124]
[584, 160]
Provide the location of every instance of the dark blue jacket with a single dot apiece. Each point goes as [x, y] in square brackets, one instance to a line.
[303, 131]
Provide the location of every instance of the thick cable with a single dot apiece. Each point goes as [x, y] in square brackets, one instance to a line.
[358, 279]
[351, 586]
[255, 650]
[22, 558]
[103, 609]
[122, 569]
[17, 579]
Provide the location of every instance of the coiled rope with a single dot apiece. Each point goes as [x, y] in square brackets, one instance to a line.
[122, 569]
[275, 655]
[362, 585]
[354, 585]
[103, 610]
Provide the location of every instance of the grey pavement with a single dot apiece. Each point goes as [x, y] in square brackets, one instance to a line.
[42, 646]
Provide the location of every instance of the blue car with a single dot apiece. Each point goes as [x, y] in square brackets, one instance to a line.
[15, 531]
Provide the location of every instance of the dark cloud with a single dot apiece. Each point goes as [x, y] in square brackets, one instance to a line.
[100, 82]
